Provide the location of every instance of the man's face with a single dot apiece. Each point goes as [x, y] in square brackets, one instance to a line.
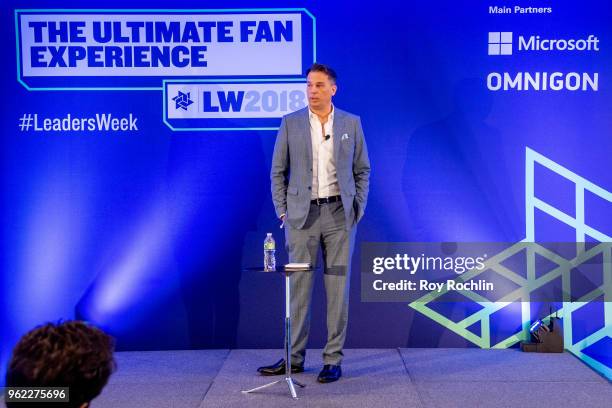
[320, 90]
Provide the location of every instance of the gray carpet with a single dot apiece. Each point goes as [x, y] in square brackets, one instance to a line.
[449, 378]
[371, 378]
[422, 378]
[161, 378]
[469, 365]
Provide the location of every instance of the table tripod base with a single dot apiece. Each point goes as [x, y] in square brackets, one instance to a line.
[290, 382]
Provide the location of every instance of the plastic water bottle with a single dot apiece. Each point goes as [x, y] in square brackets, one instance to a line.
[269, 253]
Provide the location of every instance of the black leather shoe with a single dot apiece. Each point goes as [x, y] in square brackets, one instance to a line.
[330, 373]
[278, 368]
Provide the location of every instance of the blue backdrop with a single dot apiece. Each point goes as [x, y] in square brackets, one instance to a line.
[145, 232]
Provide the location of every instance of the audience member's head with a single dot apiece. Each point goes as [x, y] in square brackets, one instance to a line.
[71, 354]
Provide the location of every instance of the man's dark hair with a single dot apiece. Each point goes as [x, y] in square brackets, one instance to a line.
[316, 67]
[70, 354]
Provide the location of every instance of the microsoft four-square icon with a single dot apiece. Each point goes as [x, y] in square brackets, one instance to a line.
[500, 43]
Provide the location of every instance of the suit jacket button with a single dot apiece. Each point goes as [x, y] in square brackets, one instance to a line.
[310, 188]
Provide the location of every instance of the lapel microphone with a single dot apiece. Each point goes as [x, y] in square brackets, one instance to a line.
[327, 137]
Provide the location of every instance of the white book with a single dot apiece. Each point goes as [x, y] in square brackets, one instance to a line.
[296, 265]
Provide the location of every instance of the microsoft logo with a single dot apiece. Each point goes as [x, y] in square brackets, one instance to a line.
[500, 43]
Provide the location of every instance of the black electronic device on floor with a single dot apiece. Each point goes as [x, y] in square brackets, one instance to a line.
[545, 338]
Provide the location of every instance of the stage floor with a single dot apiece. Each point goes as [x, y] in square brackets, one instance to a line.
[428, 378]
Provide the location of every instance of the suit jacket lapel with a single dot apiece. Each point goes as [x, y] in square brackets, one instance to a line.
[306, 136]
[338, 130]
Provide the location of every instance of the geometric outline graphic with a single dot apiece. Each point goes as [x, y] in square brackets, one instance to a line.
[532, 282]
[582, 230]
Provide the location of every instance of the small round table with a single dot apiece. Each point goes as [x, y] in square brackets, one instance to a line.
[290, 381]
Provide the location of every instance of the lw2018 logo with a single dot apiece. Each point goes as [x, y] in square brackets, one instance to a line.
[198, 105]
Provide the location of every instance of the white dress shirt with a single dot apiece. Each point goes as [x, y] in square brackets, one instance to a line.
[324, 177]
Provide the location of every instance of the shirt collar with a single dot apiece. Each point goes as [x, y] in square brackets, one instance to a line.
[330, 118]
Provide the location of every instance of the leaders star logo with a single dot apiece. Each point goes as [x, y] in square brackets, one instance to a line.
[182, 100]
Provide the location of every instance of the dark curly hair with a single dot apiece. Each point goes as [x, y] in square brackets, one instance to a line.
[70, 354]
